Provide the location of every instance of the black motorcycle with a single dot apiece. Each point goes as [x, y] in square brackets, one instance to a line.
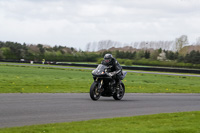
[105, 85]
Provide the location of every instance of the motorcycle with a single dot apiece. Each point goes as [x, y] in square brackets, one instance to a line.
[105, 85]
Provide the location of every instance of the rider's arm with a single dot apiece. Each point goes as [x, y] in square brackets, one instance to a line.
[118, 68]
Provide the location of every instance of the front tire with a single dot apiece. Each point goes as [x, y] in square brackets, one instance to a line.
[118, 95]
[94, 93]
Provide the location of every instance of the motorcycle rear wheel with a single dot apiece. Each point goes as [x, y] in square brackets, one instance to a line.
[94, 94]
[118, 95]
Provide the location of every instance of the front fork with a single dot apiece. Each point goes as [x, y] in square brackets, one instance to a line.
[99, 88]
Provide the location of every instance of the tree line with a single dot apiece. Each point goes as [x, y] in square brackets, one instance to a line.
[191, 57]
[172, 45]
[17, 51]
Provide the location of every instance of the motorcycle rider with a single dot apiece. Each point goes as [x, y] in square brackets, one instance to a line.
[114, 67]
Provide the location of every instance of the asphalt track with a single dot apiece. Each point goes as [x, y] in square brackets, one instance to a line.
[31, 109]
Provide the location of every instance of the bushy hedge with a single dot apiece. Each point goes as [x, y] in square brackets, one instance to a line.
[148, 62]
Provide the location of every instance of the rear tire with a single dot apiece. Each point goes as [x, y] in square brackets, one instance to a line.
[94, 94]
[118, 95]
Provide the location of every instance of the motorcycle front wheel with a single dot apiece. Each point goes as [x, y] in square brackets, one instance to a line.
[94, 93]
[118, 95]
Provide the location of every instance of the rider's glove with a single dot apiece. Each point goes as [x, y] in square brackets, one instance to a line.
[110, 74]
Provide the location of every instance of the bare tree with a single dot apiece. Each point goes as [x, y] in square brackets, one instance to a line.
[88, 47]
[181, 42]
[94, 44]
[100, 46]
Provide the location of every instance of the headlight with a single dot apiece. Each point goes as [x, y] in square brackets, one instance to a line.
[102, 73]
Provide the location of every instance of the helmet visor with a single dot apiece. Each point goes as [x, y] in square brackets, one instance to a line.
[107, 60]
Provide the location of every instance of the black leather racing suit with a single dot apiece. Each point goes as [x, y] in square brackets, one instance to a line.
[114, 67]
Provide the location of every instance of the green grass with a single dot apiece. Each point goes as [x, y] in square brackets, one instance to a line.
[79, 62]
[18, 79]
[30, 79]
[152, 83]
[184, 122]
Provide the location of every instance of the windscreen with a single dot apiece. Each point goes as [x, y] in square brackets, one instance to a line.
[100, 68]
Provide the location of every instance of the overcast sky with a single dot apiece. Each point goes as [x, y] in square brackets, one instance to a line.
[74, 23]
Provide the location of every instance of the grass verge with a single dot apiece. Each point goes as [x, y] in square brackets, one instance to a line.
[183, 122]
[37, 79]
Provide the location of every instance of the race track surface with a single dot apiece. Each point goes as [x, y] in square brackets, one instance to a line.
[30, 109]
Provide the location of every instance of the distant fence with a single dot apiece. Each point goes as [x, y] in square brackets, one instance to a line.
[160, 69]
